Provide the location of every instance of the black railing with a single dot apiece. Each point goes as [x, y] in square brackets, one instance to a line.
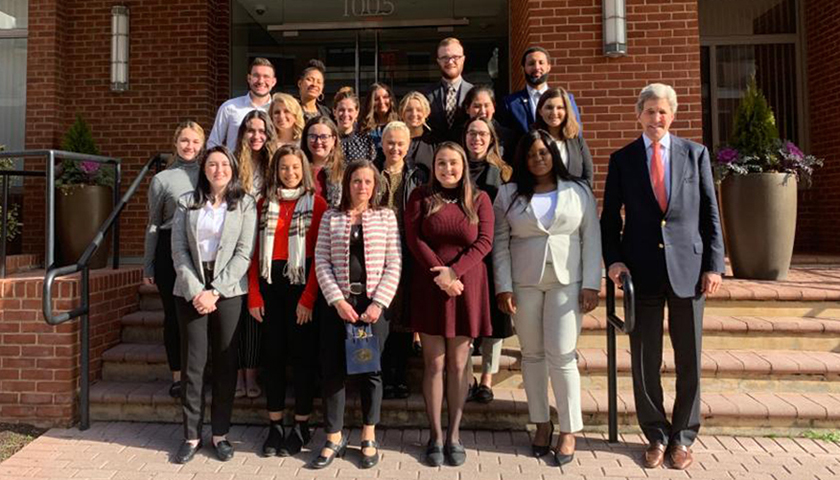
[4, 230]
[82, 266]
[626, 326]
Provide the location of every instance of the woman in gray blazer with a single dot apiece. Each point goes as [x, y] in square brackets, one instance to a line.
[547, 265]
[554, 115]
[212, 241]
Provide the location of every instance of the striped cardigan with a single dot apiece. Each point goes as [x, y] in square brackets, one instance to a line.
[383, 262]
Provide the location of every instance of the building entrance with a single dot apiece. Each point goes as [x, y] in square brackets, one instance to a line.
[367, 41]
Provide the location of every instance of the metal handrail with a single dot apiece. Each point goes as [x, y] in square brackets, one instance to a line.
[4, 229]
[82, 266]
[626, 326]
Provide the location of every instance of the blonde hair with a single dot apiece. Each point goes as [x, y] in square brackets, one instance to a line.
[292, 104]
[186, 125]
[398, 126]
[419, 98]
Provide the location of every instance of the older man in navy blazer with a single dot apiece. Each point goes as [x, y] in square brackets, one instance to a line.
[671, 243]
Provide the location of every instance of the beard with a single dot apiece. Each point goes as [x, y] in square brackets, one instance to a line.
[534, 80]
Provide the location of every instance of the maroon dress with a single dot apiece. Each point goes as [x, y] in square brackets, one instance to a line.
[447, 238]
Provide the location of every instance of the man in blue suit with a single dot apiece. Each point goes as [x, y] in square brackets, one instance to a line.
[519, 109]
[671, 243]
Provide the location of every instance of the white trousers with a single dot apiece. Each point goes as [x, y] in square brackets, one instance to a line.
[548, 322]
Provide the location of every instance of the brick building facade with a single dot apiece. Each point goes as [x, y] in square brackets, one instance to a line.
[180, 68]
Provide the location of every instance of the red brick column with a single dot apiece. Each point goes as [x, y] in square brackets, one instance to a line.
[39, 363]
[663, 43]
[178, 71]
[819, 207]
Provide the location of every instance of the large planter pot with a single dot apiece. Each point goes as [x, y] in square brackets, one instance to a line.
[79, 212]
[759, 211]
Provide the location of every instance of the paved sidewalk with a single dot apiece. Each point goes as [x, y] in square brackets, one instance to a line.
[141, 451]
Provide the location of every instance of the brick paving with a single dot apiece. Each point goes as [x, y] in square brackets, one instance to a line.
[141, 451]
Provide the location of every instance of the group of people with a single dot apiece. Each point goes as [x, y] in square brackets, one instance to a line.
[427, 224]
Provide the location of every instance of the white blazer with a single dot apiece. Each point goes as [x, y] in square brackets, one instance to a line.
[522, 245]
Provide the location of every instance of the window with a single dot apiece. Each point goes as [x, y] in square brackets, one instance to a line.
[746, 38]
[13, 32]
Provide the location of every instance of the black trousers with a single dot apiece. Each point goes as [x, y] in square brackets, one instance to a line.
[334, 367]
[221, 329]
[685, 327]
[398, 348]
[165, 281]
[287, 343]
[250, 339]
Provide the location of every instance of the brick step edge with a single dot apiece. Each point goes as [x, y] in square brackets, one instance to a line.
[816, 408]
[724, 363]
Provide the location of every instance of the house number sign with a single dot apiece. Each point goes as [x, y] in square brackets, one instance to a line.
[368, 8]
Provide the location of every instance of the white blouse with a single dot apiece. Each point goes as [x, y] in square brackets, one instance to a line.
[210, 223]
[544, 205]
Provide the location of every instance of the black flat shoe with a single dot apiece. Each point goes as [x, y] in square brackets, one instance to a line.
[186, 452]
[456, 454]
[543, 450]
[276, 435]
[297, 439]
[483, 394]
[562, 458]
[338, 449]
[369, 461]
[434, 454]
[175, 389]
[389, 392]
[471, 390]
[224, 450]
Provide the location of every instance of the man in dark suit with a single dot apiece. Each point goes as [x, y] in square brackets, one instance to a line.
[672, 245]
[519, 109]
[447, 96]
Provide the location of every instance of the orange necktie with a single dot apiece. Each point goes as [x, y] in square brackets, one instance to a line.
[657, 177]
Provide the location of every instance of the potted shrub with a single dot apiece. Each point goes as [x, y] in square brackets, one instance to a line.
[759, 176]
[84, 199]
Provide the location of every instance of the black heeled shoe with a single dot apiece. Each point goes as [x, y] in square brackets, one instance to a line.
[339, 449]
[297, 439]
[186, 452]
[369, 461]
[224, 450]
[562, 458]
[543, 450]
[276, 436]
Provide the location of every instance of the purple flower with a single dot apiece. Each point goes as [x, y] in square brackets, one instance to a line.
[727, 155]
[90, 167]
[793, 150]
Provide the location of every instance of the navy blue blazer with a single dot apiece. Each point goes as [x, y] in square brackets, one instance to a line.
[436, 94]
[677, 246]
[516, 111]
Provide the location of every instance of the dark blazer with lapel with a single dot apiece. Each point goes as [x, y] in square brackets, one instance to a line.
[436, 94]
[580, 160]
[677, 246]
[232, 259]
[516, 111]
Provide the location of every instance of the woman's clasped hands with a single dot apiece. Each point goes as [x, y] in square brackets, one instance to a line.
[448, 281]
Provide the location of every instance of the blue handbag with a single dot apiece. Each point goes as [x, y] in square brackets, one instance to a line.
[361, 348]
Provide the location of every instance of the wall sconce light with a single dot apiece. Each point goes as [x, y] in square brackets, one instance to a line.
[615, 28]
[119, 49]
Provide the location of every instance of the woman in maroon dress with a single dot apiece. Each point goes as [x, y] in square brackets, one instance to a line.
[449, 231]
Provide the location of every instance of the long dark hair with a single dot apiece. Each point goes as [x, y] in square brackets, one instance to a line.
[335, 160]
[522, 176]
[247, 157]
[470, 97]
[233, 192]
[466, 194]
[493, 155]
[273, 182]
[346, 202]
[570, 127]
[367, 117]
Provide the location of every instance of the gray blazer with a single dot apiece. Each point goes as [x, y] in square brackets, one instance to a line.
[232, 259]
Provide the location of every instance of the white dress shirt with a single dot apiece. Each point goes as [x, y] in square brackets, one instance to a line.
[534, 95]
[665, 153]
[210, 223]
[544, 205]
[228, 118]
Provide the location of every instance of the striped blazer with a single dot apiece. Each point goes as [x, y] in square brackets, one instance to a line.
[383, 261]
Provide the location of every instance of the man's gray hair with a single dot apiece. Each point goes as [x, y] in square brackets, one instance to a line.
[656, 91]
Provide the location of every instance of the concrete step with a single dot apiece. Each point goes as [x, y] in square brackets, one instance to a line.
[722, 370]
[743, 413]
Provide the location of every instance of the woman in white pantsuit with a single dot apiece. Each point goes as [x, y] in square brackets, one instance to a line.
[547, 264]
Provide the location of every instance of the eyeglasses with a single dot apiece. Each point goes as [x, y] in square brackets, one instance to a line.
[477, 134]
[313, 137]
[452, 58]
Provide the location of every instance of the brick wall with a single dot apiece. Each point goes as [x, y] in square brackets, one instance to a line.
[819, 207]
[663, 46]
[39, 363]
[178, 71]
